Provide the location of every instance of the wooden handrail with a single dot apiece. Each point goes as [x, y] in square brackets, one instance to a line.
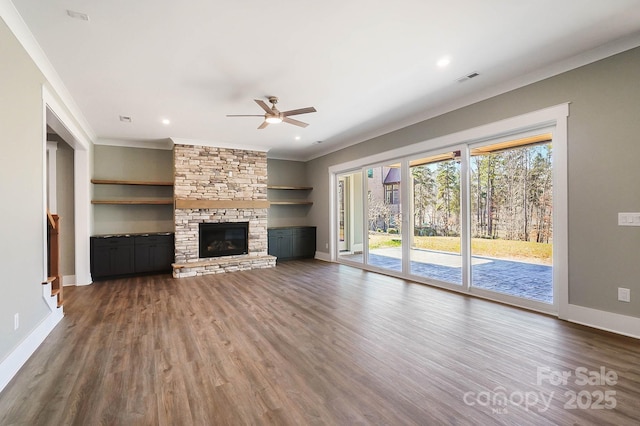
[53, 256]
[52, 221]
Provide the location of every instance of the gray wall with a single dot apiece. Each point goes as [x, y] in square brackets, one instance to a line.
[22, 192]
[65, 202]
[113, 162]
[287, 173]
[603, 172]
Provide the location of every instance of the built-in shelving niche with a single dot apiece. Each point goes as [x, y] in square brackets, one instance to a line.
[300, 199]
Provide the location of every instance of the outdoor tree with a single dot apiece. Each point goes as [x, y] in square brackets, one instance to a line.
[424, 186]
[448, 201]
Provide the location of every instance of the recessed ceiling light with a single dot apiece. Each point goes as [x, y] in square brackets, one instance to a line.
[125, 119]
[166, 121]
[77, 15]
[443, 62]
[297, 138]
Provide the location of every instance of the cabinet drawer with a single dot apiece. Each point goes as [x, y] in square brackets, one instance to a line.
[305, 232]
[154, 239]
[100, 242]
[280, 232]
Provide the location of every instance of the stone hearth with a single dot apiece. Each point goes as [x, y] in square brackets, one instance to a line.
[214, 185]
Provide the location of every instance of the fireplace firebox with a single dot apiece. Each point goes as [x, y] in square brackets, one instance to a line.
[223, 239]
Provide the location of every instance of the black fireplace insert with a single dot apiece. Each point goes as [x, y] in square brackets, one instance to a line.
[223, 239]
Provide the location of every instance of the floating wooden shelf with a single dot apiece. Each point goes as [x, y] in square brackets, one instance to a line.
[291, 203]
[134, 202]
[293, 188]
[130, 182]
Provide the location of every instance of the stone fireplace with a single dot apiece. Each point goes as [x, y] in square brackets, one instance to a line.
[213, 187]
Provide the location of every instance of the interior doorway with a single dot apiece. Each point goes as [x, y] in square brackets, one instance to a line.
[56, 119]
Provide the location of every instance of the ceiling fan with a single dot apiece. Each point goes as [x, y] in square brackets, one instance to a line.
[273, 116]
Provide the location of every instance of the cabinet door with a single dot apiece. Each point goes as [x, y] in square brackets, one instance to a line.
[164, 257]
[100, 262]
[122, 259]
[304, 242]
[111, 256]
[153, 253]
[144, 257]
[280, 243]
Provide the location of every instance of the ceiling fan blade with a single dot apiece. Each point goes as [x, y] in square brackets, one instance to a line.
[264, 106]
[244, 115]
[263, 125]
[294, 122]
[299, 111]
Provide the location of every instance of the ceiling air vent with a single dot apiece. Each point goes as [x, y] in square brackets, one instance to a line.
[77, 15]
[468, 77]
[125, 119]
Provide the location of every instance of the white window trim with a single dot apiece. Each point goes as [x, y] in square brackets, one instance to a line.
[556, 116]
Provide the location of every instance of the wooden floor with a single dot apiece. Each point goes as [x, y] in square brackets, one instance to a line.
[313, 343]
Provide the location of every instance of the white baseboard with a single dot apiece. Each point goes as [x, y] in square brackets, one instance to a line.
[320, 255]
[16, 359]
[615, 323]
[68, 280]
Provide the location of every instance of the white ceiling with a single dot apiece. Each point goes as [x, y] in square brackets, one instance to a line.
[367, 66]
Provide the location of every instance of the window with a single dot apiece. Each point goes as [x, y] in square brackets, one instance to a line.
[391, 193]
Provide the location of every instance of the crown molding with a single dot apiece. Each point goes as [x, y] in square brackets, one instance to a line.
[21, 31]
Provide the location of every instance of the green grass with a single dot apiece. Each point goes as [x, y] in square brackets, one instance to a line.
[503, 249]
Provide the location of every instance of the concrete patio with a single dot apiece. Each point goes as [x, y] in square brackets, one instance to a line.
[516, 278]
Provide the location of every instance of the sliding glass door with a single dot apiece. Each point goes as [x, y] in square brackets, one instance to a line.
[436, 217]
[475, 217]
[511, 217]
[384, 217]
[349, 220]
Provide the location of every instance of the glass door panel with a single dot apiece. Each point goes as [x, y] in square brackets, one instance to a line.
[435, 250]
[350, 214]
[384, 217]
[511, 218]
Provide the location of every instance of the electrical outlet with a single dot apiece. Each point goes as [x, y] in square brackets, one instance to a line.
[624, 294]
[326, 245]
[16, 321]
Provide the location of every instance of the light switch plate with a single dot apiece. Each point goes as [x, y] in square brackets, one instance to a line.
[624, 294]
[629, 219]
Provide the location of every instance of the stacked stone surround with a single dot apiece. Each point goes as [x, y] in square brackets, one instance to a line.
[210, 173]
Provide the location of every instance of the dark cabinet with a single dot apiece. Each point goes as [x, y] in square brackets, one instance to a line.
[111, 256]
[304, 242]
[153, 253]
[295, 242]
[118, 255]
[280, 243]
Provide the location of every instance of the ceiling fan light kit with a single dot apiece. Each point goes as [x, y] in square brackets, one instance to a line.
[273, 119]
[273, 116]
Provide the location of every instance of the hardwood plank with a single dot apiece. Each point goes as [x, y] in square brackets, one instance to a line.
[306, 342]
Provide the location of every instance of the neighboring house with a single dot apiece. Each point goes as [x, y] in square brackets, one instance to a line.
[383, 185]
